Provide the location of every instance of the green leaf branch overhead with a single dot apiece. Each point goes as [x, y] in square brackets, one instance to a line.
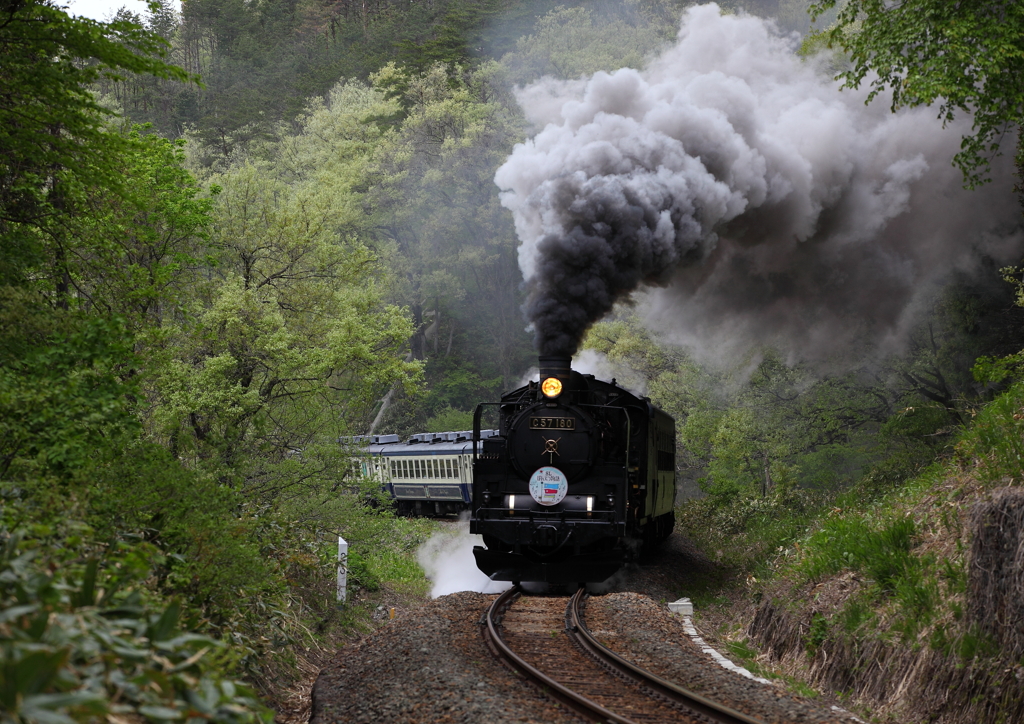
[968, 57]
[51, 123]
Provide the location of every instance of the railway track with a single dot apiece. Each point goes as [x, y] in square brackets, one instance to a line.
[547, 641]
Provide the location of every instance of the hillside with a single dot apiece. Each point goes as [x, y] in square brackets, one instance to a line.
[904, 603]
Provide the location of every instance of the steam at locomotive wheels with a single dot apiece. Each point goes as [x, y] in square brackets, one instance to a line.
[580, 476]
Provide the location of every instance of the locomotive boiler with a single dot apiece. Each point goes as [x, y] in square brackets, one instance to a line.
[580, 477]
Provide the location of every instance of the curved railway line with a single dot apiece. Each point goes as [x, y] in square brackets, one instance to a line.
[547, 641]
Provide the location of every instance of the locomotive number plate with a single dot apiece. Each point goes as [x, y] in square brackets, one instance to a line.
[552, 423]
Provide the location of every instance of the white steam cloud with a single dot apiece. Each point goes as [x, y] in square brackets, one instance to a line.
[765, 204]
[447, 559]
[592, 362]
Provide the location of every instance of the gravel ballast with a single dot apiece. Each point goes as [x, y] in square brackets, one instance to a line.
[431, 665]
[648, 635]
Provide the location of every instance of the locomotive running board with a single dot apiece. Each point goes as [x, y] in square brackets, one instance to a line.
[584, 568]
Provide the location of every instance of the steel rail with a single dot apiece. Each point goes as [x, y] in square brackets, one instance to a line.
[704, 708]
[691, 700]
[579, 704]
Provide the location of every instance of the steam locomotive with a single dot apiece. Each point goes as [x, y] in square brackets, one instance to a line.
[579, 477]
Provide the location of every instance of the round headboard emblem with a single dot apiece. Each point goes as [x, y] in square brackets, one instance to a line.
[548, 485]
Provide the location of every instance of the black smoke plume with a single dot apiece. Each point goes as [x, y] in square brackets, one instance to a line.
[768, 205]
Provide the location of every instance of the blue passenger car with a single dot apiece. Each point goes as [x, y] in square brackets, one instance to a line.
[429, 474]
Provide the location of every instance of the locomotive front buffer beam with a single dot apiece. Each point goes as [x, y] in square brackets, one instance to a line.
[550, 551]
[582, 568]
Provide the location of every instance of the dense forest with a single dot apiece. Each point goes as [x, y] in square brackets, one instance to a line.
[234, 234]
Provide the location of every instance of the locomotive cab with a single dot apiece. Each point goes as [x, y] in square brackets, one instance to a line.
[573, 483]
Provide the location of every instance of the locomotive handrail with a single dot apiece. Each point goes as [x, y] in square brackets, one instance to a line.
[476, 424]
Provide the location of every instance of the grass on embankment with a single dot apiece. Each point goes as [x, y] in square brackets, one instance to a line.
[868, 596]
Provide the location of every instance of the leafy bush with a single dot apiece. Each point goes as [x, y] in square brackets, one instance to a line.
[742, 531]
[75, 647]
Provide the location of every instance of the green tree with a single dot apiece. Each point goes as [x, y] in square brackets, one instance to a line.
[61, 393]
[966, 56]
[761, 424]
[573, 42]
[137, 256]
[52, 128]
[450, 245]
[287, 344]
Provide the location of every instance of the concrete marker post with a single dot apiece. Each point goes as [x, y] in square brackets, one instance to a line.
[342, 571]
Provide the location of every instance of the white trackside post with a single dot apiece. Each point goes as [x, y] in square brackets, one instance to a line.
[342, 570]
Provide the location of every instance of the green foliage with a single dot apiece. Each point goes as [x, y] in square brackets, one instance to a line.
[136, 255]
[901, 464]
[745, 532]
[882, 550]
[796, 15]
[760, 426]
[456, 385]
[455, 38]
[360, 573]
[969, 644]
[817, 633]
[995, 370]
[290, 331]
[856, 614]
[447, 240]
[210, 549]
[449, 418]
[916, 422]
[77, 646]
[995, 442]
[60, 394]
[966, 57]
[883, 554]
[52, 129]
[575, 41]
[391, 558]
[177, 368]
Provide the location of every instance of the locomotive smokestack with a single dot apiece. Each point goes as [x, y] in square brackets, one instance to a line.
[557, 366]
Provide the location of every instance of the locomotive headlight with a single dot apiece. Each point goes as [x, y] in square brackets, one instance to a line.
[551, 387]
